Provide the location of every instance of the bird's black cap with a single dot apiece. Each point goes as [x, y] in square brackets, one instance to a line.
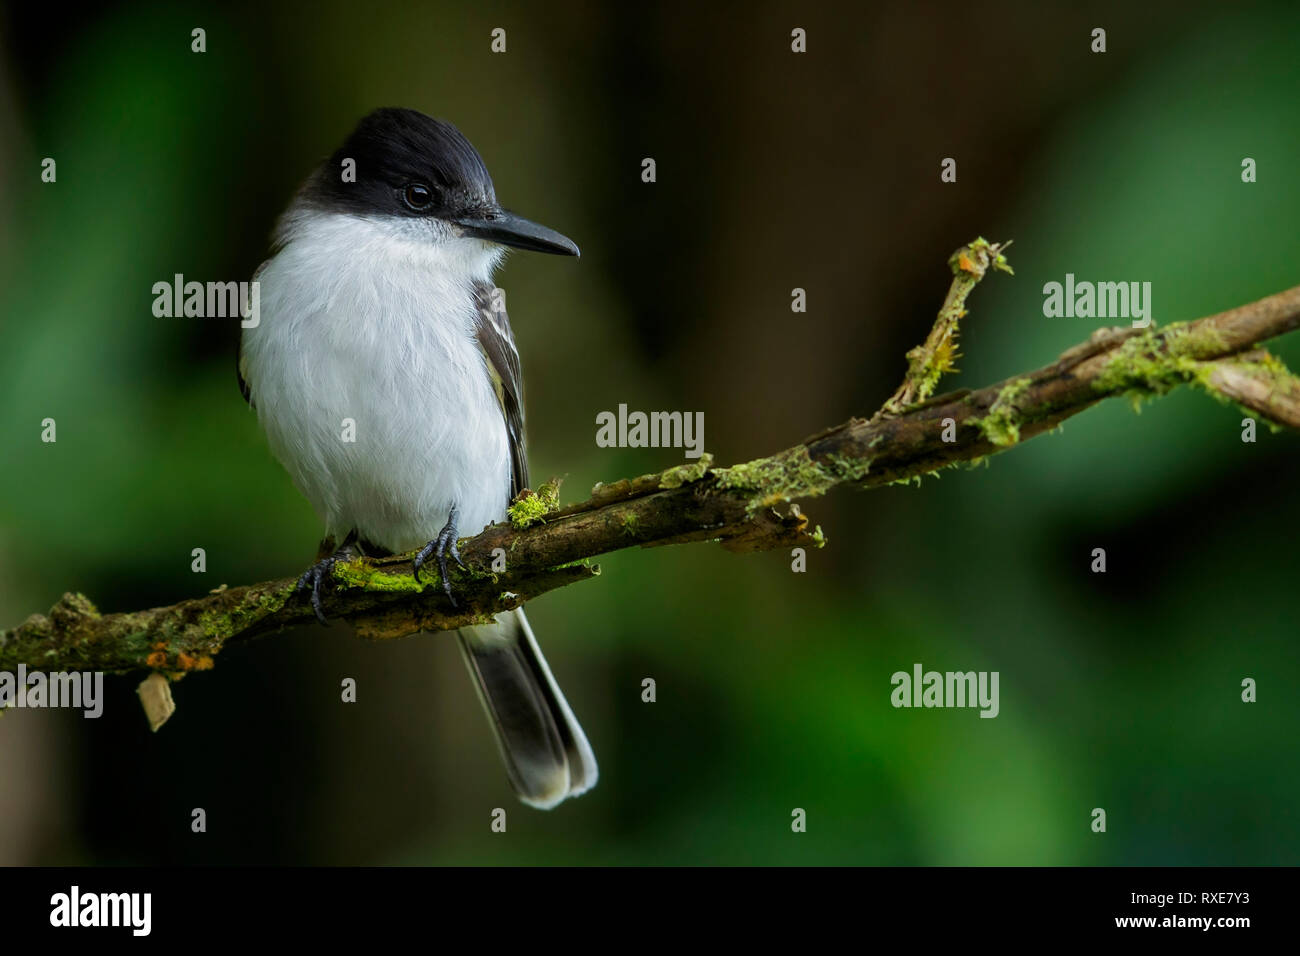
[411, 165]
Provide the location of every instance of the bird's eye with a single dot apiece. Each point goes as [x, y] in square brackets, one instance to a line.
[418, 196]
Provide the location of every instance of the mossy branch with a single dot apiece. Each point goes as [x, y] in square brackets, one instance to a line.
[746, 507]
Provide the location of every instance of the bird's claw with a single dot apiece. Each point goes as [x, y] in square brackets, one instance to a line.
[321, 571]
[440, 547]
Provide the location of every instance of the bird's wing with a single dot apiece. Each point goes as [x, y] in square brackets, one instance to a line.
[239, 373]
[498, 345]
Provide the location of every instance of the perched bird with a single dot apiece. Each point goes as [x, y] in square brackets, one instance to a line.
[390, 389]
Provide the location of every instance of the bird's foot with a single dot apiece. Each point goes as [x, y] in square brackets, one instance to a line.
[323, 570]
[440, 547]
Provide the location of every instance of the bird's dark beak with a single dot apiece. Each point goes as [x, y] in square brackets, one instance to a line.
[511, 230]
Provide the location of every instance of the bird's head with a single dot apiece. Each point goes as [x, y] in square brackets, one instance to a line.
[424, 176]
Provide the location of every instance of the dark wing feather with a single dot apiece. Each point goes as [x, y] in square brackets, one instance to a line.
[498, 345]
[239, 375]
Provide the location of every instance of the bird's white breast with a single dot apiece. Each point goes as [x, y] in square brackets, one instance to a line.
[367, 333]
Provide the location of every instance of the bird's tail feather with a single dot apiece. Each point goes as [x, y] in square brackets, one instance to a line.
[546, 754]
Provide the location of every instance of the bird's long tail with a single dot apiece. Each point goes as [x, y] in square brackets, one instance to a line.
[546, 754]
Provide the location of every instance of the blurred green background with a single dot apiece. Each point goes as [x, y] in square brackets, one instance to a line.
[775, 171]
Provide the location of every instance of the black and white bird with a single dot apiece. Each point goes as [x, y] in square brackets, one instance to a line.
[376, 308]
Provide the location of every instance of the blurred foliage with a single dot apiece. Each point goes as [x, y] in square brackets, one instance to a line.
[1118, 691]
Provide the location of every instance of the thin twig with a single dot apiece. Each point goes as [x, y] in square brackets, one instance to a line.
[935, 357]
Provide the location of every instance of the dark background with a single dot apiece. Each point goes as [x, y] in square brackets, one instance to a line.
[775, 171]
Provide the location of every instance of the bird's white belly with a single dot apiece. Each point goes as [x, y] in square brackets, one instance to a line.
[375, 397]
